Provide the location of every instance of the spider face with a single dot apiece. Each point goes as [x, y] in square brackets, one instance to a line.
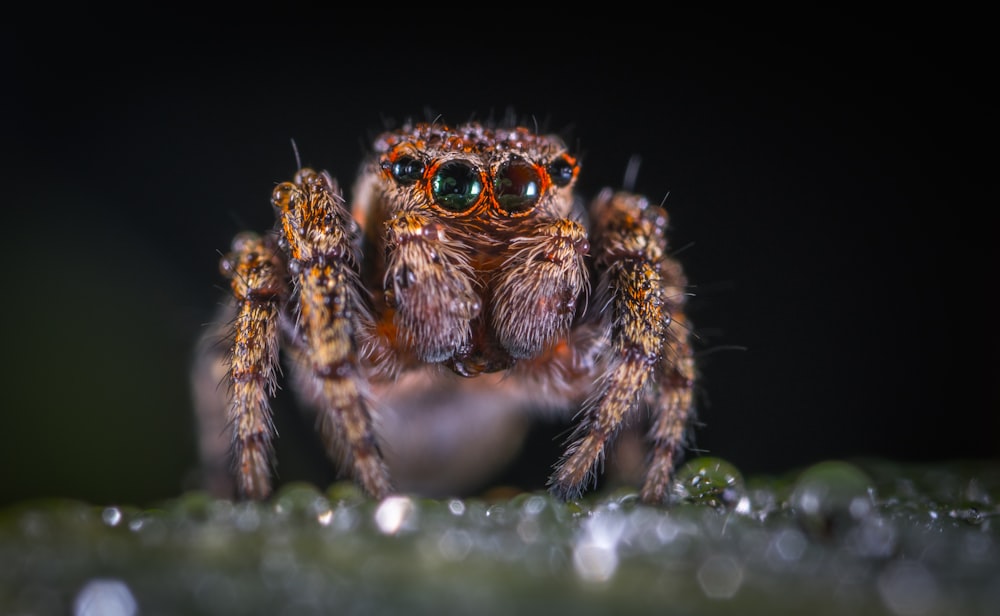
[462, 254]
[483, 174]
[456, 204]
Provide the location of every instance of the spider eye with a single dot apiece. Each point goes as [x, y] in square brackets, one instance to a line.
[456, 186]
[517, 186]
[407, 170]
[561, 170]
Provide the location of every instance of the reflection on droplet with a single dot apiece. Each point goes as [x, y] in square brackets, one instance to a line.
[534, 505]
[105, 597]
[711, 481]
[325, 517]
[790, 544]
[595, 553]
[594, 562]
[455, 544]
[529, 530]
[667, 530]
[830, 497]
[907, 589]
[875, 537]
[247, 517]
[111, 516]
[394, 513]
[456, 507]
[720, 577]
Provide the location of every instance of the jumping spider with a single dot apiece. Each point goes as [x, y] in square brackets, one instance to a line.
[464, 274]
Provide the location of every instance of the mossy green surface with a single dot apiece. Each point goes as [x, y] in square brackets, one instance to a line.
[840, 537]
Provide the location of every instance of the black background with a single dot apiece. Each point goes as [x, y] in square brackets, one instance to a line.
[828, 196]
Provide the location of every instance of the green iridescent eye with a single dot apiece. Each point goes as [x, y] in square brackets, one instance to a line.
[517, 186]
[456, 186]
[407, 169]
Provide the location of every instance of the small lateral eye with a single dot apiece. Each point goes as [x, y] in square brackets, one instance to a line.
[407, 170]
[561, 171]
[517, 186]
[456, 186]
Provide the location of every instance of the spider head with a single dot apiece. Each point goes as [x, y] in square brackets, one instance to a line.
[476, 173]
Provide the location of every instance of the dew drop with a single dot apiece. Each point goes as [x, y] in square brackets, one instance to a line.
[394, 514]
[907, 589]
[594, 562]
[789, 545]
[105, 597]
[595, 553]
[111, 516]
[455, 544]
[325, 517]
[456, 507]
[830, 497]
[720, 577]
[710, 481]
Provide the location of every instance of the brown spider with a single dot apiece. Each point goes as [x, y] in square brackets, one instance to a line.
[464, 285]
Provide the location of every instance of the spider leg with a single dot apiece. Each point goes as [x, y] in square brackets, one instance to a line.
[321, 241]
[256, 272]
[639, 282]
[671, 404]
[210, 397]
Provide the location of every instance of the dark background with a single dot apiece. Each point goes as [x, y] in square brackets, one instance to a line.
[828, 196]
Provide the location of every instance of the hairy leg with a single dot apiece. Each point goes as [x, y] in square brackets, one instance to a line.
[629, 252]
[256, 272]
[321, 241]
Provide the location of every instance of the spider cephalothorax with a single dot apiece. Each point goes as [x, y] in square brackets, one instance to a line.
[463, 283]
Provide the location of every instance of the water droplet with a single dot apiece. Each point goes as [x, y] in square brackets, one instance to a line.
[829, 497]
[720, 577]
[325, 517]
[394, 514]
[529, 530]
[875, 536]
[247, 517]
[907, 589]
[594, 562]
[111, 516]
[105, 597]
[456, 507]
[455, 544]
[710, 481]
[533, 505]
[970, 514]
[789, 545]
[595, 553]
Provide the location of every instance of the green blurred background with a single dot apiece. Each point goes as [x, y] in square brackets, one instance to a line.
[826, 192]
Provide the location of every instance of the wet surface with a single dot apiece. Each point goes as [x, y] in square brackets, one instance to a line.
[861, 537]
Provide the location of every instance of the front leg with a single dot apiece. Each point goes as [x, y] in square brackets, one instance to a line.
[428, 285]
[644, 357]
[321, 240]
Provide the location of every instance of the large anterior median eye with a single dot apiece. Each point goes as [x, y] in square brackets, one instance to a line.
[456, 186]
[517, 186]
